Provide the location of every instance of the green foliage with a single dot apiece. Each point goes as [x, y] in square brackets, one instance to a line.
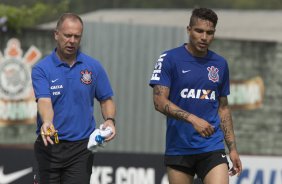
[27, 17]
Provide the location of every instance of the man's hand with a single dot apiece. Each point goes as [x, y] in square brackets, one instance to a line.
[109, 123]
[47, 131]
[201, 126]
[237, 165]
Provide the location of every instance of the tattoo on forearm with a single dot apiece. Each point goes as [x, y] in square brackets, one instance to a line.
[177, 113]
[180, 114]
[227, 123]
[167, 109]
[227, 128]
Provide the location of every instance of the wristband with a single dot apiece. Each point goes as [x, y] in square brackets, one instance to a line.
[112, 119]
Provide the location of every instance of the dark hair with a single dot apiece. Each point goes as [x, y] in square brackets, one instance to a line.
[65, 16]
[204, 14]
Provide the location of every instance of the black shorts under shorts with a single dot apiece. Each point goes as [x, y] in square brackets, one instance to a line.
[199, 164]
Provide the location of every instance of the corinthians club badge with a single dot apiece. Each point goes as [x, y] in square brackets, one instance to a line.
[16, 94]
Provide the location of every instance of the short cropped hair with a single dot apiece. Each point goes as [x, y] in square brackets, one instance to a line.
[204, 14]
[65, 16]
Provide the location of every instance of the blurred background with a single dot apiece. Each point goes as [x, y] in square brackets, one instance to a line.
[127, 37]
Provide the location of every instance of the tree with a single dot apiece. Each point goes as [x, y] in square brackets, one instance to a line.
[21, 17]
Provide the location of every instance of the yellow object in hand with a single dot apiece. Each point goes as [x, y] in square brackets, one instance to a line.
[50, 131]
[56, 138]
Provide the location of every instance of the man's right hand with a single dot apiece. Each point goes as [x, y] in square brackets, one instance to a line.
[47, 130]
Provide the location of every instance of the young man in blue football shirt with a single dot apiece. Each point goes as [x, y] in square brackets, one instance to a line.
[65, 85]
[190, 86]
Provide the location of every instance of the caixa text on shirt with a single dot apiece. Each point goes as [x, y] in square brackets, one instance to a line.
[55, 89]
[198, 94]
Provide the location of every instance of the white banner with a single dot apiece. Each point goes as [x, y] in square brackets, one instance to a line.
[259, 170]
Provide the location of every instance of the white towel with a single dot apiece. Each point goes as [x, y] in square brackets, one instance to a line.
[96, 139]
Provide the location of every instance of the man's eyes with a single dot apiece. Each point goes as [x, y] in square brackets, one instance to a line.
[202, 31]
[69, 36]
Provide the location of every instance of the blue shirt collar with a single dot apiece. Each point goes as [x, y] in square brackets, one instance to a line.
[58, 62]
[207, 56]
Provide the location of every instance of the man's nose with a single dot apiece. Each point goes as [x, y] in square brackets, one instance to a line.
[204, 35]
[72, 39]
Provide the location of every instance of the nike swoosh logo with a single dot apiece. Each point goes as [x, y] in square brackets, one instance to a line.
[185, 71]
[8, 178]
[223, 156]
[54, 80]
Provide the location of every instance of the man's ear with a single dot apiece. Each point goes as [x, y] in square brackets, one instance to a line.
[188, 28]
[56, 34]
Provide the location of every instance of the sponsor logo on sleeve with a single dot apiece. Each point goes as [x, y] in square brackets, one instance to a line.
[158, 68]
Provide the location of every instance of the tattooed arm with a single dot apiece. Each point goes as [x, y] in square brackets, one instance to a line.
[229, 136]
[165, 106]
[227, 123]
